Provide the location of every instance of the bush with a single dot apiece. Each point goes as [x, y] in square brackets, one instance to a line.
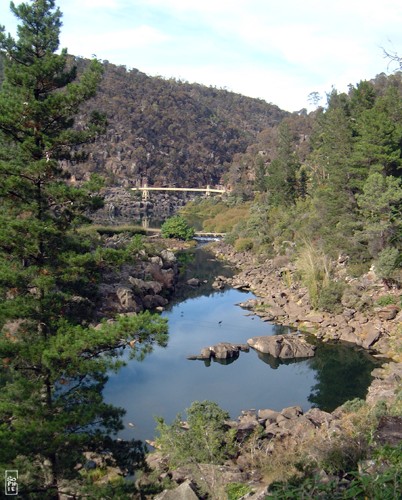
[243, 244]
[237, 490]
[177, 227]
[330, 297]
[386, 300]
[207, 440]
[387, 262]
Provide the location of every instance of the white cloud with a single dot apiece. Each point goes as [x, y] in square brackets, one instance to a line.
[279, 51]
[103, 43]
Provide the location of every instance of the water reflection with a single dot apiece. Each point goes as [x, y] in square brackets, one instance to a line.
[342, 373]
[166, 382]
[275, 363]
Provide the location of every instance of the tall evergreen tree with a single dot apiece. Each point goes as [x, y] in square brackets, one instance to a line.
[379, 142]
[281, 180]
[53, 363]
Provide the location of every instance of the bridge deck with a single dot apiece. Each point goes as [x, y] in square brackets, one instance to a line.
[200, 190]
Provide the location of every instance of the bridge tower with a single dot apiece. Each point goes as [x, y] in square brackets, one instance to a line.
[145, 192]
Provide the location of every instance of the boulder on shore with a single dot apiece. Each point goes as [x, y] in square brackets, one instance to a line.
[282, 346]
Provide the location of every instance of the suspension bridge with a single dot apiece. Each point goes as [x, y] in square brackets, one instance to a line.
[145, 189]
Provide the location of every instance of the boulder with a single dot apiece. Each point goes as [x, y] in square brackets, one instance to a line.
[389, 430]
[292, 412]
[318, 417]
[387, 313]
[268, 415]
[275, 311]
[126, 298]
[223, 350]
[153, 301]
[348, 335]
[282, 346]
[168, 257]
[371, 339]
[314, 318]
[193, 282]
[183, 492]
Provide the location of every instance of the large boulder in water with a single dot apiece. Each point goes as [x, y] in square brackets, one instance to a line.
[282, 346]
[223, 350]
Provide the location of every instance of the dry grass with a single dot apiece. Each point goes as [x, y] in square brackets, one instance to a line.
[314, 268]
[227, 218]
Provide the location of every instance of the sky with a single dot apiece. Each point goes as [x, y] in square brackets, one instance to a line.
[277, 50]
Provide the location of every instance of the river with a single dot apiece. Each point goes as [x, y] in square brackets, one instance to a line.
[166, 382]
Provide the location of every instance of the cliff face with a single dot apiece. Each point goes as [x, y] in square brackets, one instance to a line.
[169, 132]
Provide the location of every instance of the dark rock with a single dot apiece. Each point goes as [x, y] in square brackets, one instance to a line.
[153, 301]
[223, 350]
[389, 431]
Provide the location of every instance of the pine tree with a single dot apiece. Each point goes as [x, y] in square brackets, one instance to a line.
[281, 180]
[332, 175]
[53, 363]
[379, 143]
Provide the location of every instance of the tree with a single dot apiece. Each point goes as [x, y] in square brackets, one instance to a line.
[380, 206]
[177, 227]
[281, 180]
[53, 361]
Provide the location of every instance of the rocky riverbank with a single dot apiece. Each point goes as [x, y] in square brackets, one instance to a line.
[270, 437]
[268, 440]
[282, 300]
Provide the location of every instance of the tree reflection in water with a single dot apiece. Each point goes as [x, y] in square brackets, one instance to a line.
[343, 372]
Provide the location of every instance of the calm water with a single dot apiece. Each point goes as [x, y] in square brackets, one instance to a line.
[166, 383]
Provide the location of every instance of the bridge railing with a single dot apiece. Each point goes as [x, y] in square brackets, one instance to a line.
[146, 189]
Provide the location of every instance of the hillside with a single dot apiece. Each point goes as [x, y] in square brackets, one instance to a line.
[170, 132]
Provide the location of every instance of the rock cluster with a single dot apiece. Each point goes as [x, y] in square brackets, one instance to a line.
[284, 302]
[290, 421]
[270, 426]
[126, 205]
[223, 350]
[145, 284]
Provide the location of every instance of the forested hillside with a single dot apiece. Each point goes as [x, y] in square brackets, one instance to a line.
[170, 132]
[328, 184]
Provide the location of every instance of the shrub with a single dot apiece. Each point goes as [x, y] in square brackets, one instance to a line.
[177, 227]
[386, 300]
[387, 262]
[208, 438]
[330, 297]
[243, 244]
[354, 298]
[237, 490]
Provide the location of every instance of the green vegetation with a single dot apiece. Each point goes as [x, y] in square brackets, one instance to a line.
[237, 490]
[347, 463]
[339, 194]
[177, 227]
[93, 229]
[208, 438]
[53, 361]
[216, 216]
